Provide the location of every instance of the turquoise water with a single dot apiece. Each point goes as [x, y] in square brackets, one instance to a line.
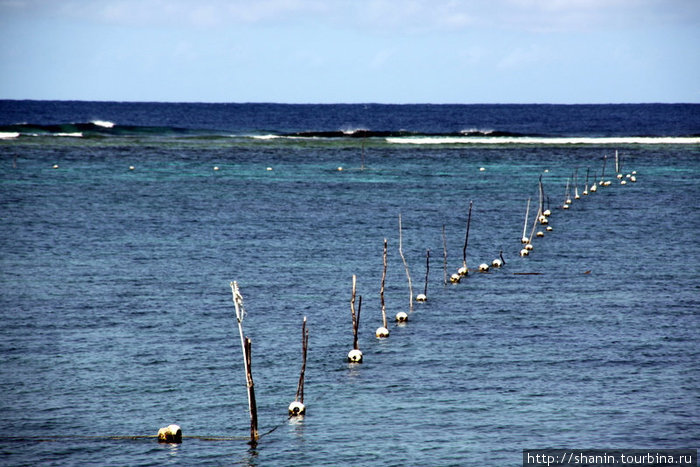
[118, 319]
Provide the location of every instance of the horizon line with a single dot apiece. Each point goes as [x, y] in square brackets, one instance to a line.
[340, 103]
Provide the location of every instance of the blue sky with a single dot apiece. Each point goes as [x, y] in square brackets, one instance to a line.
[328, 51]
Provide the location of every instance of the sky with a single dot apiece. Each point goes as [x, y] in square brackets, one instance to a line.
[351, 51]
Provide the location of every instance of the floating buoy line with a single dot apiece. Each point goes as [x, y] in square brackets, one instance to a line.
[173, 433]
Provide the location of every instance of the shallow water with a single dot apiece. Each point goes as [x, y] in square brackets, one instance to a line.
[117, 312]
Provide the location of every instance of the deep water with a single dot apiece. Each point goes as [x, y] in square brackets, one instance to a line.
[117, 315]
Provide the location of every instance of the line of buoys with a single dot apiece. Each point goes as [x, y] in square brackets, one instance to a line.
[296, 408]
[588, 190]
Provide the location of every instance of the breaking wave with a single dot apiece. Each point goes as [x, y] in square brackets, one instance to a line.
[474, 136]
[556, 140]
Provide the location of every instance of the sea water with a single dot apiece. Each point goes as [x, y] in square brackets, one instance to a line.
[123, 225]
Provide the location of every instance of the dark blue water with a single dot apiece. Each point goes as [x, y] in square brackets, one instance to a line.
[117, 312]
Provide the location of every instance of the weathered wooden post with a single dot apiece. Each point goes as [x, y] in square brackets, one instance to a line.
[463, 271]
[421, 297]
[246, 346]
[297, 407]
[405, 264]
[355, 355]
[383, 331]
[444, 254]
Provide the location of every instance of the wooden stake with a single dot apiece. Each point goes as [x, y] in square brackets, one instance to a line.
[602, 175]
[355, 355]
[246, 346]
[427, 270]
[466, 237]
[444, 253]
[527, 213]
[304, 347]
[357, 322]
[251, 395]
[534, 226]
[381, 290]
[405, 264]
[355, 316]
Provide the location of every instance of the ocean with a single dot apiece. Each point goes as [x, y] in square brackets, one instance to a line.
[124, 224]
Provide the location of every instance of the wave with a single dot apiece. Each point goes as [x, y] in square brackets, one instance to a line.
[99, 128]
[554, 140]
[103, 123]
[104, 128]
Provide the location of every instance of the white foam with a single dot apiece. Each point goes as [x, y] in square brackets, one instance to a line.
[77, 134]
[103, 123]
[269, 137]
[8, 134]
[265, 136]
[541, 140]
[476, 130]
[351, 131]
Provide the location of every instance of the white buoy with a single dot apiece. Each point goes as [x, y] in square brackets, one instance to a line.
[498, 262]
[170, 434]
[483, 267]
[463, 271]
[619, 176]
[355, 356]
[296, 408]
[623, 182]
[381, 332]
[543, 220]
[216, 167]
[421, 297]
[594, 188]
[633, 179]
[547, 212]
[55, 166]
[540, 233]
[340, 169]
[549, 228]
[568, 201]
[401, 317]
[529, 247]
[269, 168]
[524, 252]
[566, 206]
[482, 169]
[454, 278]
[131, 167]
[524, 240]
